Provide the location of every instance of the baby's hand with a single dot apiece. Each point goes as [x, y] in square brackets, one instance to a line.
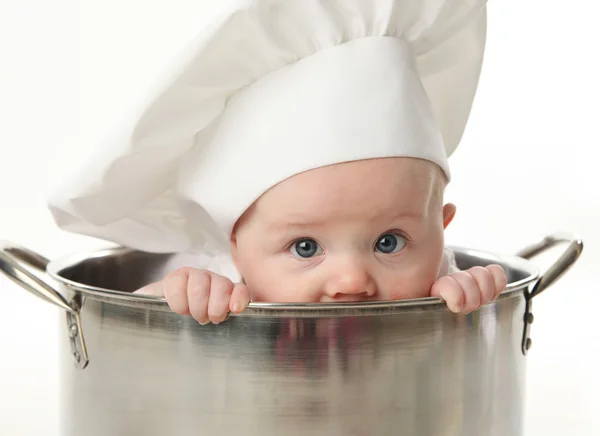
[206, 296]
[466, 291]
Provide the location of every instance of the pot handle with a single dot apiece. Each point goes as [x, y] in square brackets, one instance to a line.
[548, 278]
[25, 267]
[558, 268]
[28, 270]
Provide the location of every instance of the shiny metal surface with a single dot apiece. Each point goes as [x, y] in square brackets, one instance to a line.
[25, 268]
[382, 368]
[556, 271]
[561, 266]
[28, 269]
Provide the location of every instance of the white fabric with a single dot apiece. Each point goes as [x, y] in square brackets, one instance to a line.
[448, 265]
[276, 88]
[310, 119]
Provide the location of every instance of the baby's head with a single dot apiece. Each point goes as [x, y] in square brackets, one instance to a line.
[314, 150]
[365, 230]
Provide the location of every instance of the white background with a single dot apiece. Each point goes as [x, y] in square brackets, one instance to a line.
[527, 167]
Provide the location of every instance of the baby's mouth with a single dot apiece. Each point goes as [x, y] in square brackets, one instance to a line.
[347, 299]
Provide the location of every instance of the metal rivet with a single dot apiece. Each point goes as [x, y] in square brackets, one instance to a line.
[530, 318]
[72, 330]
[528, 344]
[76, 356]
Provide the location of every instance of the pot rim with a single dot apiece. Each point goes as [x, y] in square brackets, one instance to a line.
[55, 267]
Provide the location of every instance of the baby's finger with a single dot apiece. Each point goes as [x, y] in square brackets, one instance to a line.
[485, 281]
[240, 298]
[175, 290]
[220, 295]
[198, 293]
[470, 289]
[499, 277]
[450, 291]
[155, 289]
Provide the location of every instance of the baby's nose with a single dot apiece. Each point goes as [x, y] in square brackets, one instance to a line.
[350, 282]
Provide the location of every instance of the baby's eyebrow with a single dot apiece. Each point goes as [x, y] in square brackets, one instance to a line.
[298, 223]
[284, 232]
[420, 215]
[302, 223]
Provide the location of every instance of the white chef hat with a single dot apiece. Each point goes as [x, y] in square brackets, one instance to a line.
[276, 88]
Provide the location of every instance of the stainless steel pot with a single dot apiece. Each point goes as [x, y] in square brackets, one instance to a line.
[132, 367]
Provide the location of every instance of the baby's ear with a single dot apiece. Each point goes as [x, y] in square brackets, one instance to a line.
[448, 213]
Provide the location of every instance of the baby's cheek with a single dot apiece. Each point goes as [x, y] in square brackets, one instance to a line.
[258, 275]
[294, 290]
[409, 293]
[260, 289]
[272, 284]
[408, 286]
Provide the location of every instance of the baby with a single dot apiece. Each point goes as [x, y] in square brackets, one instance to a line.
[359, 231]
[303, 147]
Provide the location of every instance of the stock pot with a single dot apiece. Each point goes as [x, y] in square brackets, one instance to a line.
[130, 366]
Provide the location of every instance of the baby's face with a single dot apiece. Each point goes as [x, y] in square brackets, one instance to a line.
[364, 230]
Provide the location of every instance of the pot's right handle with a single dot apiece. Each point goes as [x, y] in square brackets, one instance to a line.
[558, 268]
[556, 271]
[28, 270]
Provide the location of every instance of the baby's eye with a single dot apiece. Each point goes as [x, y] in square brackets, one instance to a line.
[306, 248]
[390, 243]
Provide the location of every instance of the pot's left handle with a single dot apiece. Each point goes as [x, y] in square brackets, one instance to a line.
[28, 270]
[25, 267]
